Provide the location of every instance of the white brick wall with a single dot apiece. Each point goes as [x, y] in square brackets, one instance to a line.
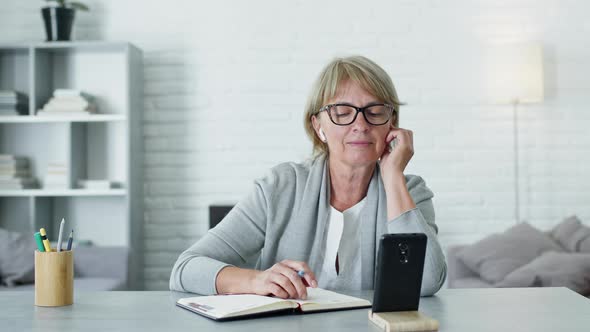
[226, 82]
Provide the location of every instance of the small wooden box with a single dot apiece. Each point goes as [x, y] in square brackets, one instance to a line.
[54, 278]
[403, 321]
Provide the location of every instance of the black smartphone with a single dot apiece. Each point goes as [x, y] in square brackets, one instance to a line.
[398, 274]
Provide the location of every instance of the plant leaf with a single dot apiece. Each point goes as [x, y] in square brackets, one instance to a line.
[79, 6]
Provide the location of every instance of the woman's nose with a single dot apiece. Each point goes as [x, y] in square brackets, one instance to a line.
[360, 124]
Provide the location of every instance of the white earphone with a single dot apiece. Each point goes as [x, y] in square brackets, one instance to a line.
[322, 135]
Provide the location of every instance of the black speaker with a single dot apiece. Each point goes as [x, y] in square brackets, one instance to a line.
[217, 213]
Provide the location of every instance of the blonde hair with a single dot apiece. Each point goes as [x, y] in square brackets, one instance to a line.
[366, 73]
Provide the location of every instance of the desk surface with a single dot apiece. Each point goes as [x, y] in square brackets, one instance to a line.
[520, 309]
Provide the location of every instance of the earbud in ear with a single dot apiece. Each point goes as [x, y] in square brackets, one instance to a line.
[322, 135]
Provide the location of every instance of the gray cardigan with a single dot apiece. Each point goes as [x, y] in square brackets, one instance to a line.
[284, 217]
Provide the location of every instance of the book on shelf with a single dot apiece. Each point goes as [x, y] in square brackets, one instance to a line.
[97, 184]
[14, 167]
[67, 102]
[12, 95]
[56, 176]
[18, 183]
[8, 168]
[16, 162]
[7, 157]
[71, 93]
[13, 103]
[15, 175]
[17, 110]
[9, 103]
[225, 307]
[42, 113]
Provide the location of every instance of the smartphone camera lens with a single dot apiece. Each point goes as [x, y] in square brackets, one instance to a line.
[403, 248]
[403, 253]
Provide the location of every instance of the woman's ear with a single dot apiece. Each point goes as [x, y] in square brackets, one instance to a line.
[315, 122]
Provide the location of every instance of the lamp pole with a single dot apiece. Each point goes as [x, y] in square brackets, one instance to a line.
[515, 103]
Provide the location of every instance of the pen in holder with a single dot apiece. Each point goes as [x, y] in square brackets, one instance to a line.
[54, 278]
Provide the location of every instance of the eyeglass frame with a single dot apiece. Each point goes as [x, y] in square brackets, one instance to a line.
[326, 108]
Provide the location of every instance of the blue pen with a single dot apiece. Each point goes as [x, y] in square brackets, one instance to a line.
[301, 273]
[70, 239]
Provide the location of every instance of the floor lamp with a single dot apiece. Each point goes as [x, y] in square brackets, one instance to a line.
[515, 77]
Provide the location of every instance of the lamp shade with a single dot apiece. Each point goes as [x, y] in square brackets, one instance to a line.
[514, 73]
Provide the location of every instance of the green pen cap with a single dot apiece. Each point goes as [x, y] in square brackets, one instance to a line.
[39, 242]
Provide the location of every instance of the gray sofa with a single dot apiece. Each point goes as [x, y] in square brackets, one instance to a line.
[524, 256]
[459, 275]
[95, 269]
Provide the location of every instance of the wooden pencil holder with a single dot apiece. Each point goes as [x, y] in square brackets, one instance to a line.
[54, 278]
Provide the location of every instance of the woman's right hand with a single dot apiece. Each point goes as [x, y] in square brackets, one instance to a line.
[282, 280]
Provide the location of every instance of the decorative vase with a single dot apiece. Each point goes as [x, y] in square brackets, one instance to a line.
[58, 22]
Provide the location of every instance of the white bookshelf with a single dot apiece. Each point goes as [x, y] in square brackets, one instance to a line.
[56, 118]
[106, 145]
[61, 192]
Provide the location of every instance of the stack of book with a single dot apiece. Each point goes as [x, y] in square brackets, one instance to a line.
[97, 184]
[15, 173]
[57, 176]
[68, 102]
[13, 103]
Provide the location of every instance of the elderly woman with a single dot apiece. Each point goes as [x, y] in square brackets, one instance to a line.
[323, 218]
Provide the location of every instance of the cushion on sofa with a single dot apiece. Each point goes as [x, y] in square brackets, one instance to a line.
[495, 256]
[17, 258]
[584, 246]
[572, 235]
[553, 269]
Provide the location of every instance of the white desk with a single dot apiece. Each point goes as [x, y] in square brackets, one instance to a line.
[523, 309]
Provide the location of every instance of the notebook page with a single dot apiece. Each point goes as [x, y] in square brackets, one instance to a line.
[322, 296]
[223, 305]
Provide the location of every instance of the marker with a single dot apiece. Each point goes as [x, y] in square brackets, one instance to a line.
[70, 240]
[39, 242]
[45, 241]
[61, 230]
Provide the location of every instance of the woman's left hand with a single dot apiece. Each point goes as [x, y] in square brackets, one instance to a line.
[394, 160]
[393, 163]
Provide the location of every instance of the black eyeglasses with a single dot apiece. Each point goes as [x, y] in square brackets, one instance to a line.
[345, 114]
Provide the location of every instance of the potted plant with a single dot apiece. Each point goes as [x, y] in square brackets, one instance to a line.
[59, 18]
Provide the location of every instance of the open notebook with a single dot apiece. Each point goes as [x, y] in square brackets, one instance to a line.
[222, 307]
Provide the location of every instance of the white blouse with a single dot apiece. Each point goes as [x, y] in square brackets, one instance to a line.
[343, 241]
